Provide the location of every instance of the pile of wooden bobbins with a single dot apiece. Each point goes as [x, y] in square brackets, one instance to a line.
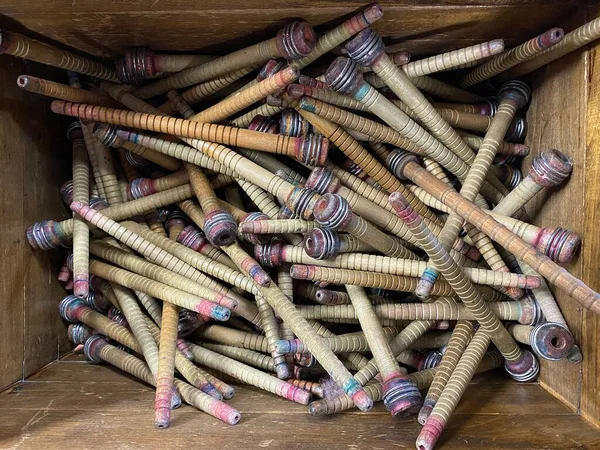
[355, 236]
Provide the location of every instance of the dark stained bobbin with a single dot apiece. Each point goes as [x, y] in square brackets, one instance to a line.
[322, 243]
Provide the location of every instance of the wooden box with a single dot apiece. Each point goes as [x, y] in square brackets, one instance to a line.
[74, 400]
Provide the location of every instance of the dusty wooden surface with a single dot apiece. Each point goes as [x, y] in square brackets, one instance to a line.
[108, 28]
[78, 404]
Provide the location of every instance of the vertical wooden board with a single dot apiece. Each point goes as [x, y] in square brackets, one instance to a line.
[590, 403]
[556, 119]
[46, 165]
[11, 238]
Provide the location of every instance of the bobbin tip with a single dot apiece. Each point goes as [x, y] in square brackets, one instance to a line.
[372, 13]
[296, 40]
[551, 168]
[362, 400]
[69, 307]
[517, 91]
[296, 90]
[81, 288]
[332, 211]
[263, 124]
[496, 46]
[220, 228]
[400, 58]
[270, 68]
[558, 244]
[525, 369]
[401, 396]
[162, 417]
[4, 41]
[365, 48]
[261, 277]
[282, 370]
[300, 272]
[425, 412]
[92, 347]
[429, 435]
[321, 243]
[343, 75]
[551, 37]
[551, 340]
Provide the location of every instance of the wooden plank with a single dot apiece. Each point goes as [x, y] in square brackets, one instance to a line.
[420, 27]
[11, 239]
[88, 386]
[47, 162]
[103, 411]
[50, 429]
[561, 86]
[31, 177]
[590, 404]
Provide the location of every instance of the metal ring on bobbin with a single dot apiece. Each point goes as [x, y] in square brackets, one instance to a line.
[78, 333]
[264, 124]
[398, 159]
[401, 396]
[269, 254]
[551, 168]
[365, 48]
[92, 347]
[332, 211]
[551, 340]
[105, 133]
[312, 150]
[322, 180]
[525, 370]
[322, 243]
[296, 40]
[291, 123]
[220, 228]
[516, 90]
[301, 202]
[137, 65]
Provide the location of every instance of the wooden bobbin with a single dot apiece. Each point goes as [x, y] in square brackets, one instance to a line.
[453, 59]
[454, 390]
[295, 40]
[81, 232]
[62, 91]
[514, 56]
[23, 47]
[521, 365]
[310, 150]
[141, 63]
[573, 40]
[401, 396]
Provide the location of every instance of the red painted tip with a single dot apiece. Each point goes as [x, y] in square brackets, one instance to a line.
[162, 417]
[300, 272]
[362, 400]
[77, 206]
[81, 288]
[430, 433]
